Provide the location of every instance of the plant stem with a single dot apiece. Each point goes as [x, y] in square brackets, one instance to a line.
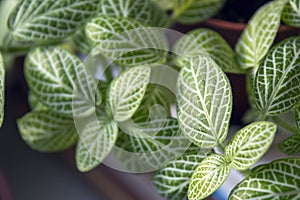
[108, 74]
[285, 125]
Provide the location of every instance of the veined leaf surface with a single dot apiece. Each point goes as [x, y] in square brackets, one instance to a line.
[277, 79]
[82, 42]
[40, 20]
[259, 35]
[291, 145]
[249, 144]
[279, 179]
[291, 13]
[297, 115]
[204, 102]
[2, 89]
[208, 177]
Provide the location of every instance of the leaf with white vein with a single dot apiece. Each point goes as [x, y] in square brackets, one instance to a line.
[277, 79]
[249, 144]
[291, 13]
[126, 41]
[279, 179]
[60, 81]
[173, 180]
[194, 11]
[46, 131]
[2, 89]
[127, 91]
[202, 41]
[82, 43]
[297, 115]
[291, 145]
[208, 177]
[204, 102]
[40, 20]
[259, 35]
[97, 138]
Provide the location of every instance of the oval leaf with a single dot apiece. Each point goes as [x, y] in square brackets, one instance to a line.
[127, 91]
[2, 89]
[259, 35]
[208, 177]
[279, 179]
[291, 145]
[291, 13]
[46, 131]
[277, 79]
[204, 102]
[39, 20]
[248, 145]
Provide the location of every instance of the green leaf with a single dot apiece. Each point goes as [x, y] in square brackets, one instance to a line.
[291, 13]
[40, 20]
[249, 144]
[291, 145]
[208, 177]
[46, 131]
[277, 79]
[6, 6]
[297, 116]
[194, 11]
[173, 180]
[127, 92]
[279, 179]
[60, 81]
[259, 35]
[2, 89]
[202, 41]
[97, 138]
[126, 41]
[34, 102]
[82, 43]
[204, 102]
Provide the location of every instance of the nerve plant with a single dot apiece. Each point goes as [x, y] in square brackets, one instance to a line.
[111, 113]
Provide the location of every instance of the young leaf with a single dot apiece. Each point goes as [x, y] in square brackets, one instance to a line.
[291, 145]
[173, 180]
[208, 177]
[127, 91]
[97, 138]
[194, 11]
[259, 35]
[40, 20]
[204, 40]
[204, 102]
[126, 41]
[248, 145]
[60, 81]
[297, 115]
[279, 179]
[277, 79]
[291, 13]
[46, 131]
[2, 89]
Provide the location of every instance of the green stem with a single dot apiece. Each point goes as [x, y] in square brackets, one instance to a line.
[108, 74]
[285, 125]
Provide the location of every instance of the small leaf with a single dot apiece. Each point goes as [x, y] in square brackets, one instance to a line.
[164, 4]
[2, 89]
[126, 41]
[259, 35]
[291, 13]
[291, 145]
[206, 41]
[46, 131]
[194, 11]
[204, 102]
[60, 81]
[208, 177]
[279, 179]
[249, 144]
[127, 91]
[40, 20]
[97, 138]
[277, 79]
[173, 180]
[297, 116]
[34, 102]
[6, 6]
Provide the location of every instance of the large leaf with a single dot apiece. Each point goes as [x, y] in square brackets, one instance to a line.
[248, 145]
[277, 79]
[126, 41]
[47, 132]
[279, 179]
[208, 177]
[291, 145]
[60, 81]
[204, 102]
[202, 41]
[127, 91]
[173, 180]
[291, 13]
[2, 89]
[194, 11]
[259, 35]
[97, 138]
